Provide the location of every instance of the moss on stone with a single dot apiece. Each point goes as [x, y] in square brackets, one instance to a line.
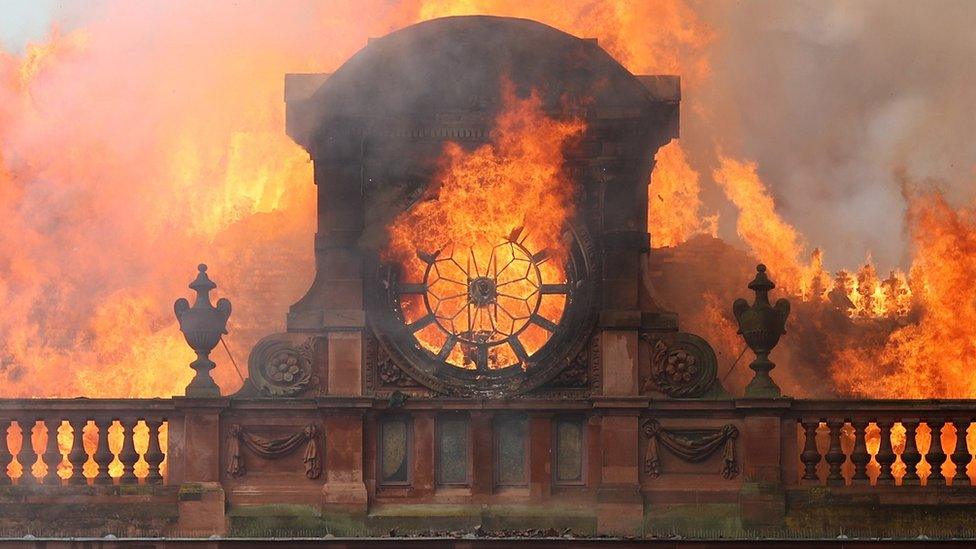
[580, 520]
[413, 518]
[883, 520]
[426, 509]
[274, 509]
[693, 520]
[282, 520]
[749, 489]
[136, 490]
[191, 491]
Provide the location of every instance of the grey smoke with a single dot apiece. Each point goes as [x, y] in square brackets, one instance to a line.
[832, 99]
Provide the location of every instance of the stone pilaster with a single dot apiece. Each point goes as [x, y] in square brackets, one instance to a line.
[620, 505]
[763, 434]
[344, 491]
[193, 459]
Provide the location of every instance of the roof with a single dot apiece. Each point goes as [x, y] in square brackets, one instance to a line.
[458, 64]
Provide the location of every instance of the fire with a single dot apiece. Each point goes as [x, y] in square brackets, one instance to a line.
[115, 177]
[37, 56]
[932, 355]
[762, 229]
[873, 297]
[661, 37]
[906, 335]
[126, 161]
[862, 294]
[496, 214]
[674, 205]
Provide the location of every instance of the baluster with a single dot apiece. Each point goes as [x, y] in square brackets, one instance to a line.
[810, 455]
[886, 455]
[960, 455]
[835, 456]
[26, 456]
[859, 455]
[911, 456]
[154, 454]
[52, 454]
[78, 456]
[103, 455]
[5, 456]
[128, 455]
[936, 455]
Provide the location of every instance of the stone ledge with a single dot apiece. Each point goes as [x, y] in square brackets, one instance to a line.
[406, 518]
[87, 493]
[881, 495]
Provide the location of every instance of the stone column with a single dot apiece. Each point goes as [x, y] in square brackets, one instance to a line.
[541, 457]
[620, 505]
[482, 454]
[194, 457]
[334, 305]
[423, 453]
[344, 491]
[764, 439]
[620, 317]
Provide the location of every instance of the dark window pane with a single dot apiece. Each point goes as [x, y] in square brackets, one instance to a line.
[394, 444]
[510, 450]
[452, 450]
[569, 451]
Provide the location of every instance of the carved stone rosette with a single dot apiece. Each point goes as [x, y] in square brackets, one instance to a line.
[682, 365]
[278, 367]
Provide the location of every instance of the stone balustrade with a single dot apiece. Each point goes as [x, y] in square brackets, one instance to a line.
[75, 442]
[883, 443]
[199, 466]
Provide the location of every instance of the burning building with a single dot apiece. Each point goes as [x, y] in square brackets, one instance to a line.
[482, 222]
[489, 342]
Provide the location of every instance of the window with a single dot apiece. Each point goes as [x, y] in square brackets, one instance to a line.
[394, 451]
[569, 445]
[453, 450]
[511, 450]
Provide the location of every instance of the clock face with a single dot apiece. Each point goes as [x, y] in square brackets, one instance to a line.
[486, 310]
[485, 307]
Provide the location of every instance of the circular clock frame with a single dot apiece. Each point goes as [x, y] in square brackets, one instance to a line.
[480, 292]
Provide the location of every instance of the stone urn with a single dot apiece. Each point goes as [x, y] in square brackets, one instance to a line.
[202, 326]
[761, 325]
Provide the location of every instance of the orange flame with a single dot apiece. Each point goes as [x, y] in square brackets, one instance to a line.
[762, 229]
[674, 205]
[930, 357]
[497, 212]
[126, 161]
[120, 171]
[662, 37]
[113, 182]
[780, 246]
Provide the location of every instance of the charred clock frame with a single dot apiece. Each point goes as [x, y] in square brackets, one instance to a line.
[394, 337]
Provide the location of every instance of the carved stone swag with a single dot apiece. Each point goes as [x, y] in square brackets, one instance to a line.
[690, 445]
[273, 449]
